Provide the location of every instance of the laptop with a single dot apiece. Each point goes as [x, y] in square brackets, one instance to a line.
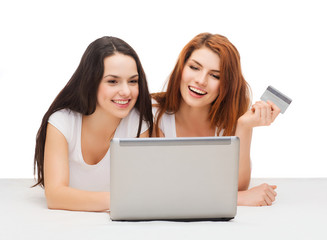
[178, 179]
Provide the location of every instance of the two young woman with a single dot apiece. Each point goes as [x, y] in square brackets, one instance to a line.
[108, 97]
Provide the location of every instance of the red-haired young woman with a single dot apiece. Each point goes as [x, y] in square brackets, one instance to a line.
[207, 95]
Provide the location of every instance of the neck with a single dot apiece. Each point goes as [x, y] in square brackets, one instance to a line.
[192, 121]
[101, 124]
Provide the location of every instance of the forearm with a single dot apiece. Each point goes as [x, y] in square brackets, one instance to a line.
[68, 198]
[245, 135]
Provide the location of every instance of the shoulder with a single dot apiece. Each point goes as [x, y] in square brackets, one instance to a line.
[165, 116]
[64, 117]
[63, 114]
[66, 121]
[167, 125]
[167, 119]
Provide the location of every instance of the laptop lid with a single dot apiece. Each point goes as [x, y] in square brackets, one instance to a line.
[174, 178]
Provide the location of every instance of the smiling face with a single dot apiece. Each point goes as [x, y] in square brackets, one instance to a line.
[118, 89]
[200, 78]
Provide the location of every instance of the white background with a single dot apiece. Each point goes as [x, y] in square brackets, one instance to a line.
[282, 43]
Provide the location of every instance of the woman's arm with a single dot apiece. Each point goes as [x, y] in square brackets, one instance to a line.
[56, 179]
[261, 114]
[245, 136]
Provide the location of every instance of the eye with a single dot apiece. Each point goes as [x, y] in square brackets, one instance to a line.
[134, 81]
[215, 76]
[112, 82]
[193, 67]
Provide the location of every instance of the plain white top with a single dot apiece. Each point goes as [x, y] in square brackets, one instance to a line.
[82, 175]
[167, 124]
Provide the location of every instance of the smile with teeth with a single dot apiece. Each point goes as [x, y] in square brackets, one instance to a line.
[197, 91]
[122, 102]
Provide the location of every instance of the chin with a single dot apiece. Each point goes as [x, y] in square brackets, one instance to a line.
[194, 103]
[122, 114]
[198, 105]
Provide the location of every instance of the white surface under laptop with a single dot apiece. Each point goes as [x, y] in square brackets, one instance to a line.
[174, 178]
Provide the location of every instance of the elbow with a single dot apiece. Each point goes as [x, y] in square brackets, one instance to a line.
[243, 187]
[243, 184]
[52, 199]
[51, 206]
[51, 202]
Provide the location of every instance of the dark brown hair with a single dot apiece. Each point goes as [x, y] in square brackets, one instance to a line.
[234, 93]
[80, 93]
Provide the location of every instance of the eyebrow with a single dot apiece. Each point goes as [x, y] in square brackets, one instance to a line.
[115, 76]
[202, 66]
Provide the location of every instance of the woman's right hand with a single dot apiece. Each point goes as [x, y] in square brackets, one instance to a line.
[261, 195]
[261, 114]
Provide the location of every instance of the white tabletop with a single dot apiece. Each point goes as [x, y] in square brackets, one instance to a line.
[298, 213]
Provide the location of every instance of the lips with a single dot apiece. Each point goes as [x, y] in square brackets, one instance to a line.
[121, 103]
[197, 91]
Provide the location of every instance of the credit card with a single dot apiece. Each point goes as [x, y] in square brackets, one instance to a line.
[280, 99]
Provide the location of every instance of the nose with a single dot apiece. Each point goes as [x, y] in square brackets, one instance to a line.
[202, 79]
[124, 90]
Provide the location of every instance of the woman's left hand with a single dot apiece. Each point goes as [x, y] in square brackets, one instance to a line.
[262, 195]
[261, 114]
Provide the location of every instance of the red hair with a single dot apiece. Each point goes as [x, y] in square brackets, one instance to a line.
[234, 92]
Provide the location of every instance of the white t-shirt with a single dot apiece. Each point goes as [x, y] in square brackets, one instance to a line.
[167, 124]
[82, 175]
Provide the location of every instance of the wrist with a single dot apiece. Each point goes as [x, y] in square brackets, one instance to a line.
[240, 198]
[243, 125]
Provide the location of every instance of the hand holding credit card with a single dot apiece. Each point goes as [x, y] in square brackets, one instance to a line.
[278, 98]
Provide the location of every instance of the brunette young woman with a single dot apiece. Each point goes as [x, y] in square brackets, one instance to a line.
[106, 97]
[207, 95]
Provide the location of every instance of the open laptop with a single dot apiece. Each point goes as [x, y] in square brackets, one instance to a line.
[174, 178]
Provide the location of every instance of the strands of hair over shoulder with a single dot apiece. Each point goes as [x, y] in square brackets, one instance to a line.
[234, 92]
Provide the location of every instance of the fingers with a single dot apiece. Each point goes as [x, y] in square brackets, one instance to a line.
[269, 194]
[268, 201]
[265, 112]
[275, 110]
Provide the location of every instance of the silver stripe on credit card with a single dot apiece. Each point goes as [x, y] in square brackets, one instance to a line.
[278, 98]
[279, 94]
